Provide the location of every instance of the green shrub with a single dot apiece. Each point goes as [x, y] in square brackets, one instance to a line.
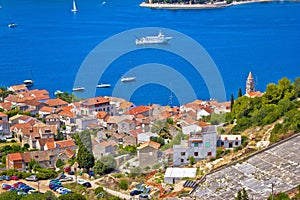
[123, 184]
[59, 163]
[72, 197]
[98, 190]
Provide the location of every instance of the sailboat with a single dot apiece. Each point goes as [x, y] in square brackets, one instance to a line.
[74, 9]
[29, 82]
[130, 78]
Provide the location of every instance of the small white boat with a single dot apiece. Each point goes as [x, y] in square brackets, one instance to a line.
[28, 82]
[103, 85]
[12, 25]
[57, 92]
[78, 89]
[74, 9]
[128, 79]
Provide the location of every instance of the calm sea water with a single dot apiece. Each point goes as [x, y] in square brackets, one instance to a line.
[53, 42]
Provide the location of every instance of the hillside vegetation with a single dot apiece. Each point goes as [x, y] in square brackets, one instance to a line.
[280, 101]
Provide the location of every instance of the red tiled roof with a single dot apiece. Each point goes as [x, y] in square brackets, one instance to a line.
[254, 94]
[46, 109]
[151, 143]
[30, 95]
[95, 101]
[125, 105]
[70, 153]
[135, 132]
[207, 109]
[19, 87]
[139, 110]
[203, 124]
[50, 145]
[60, 144]
[101, 114]
[56, 102]
[24, 117]
[6, 105]
[2, 114]
[15, 156]
[43, 141]
[32, 102]
[106, 144]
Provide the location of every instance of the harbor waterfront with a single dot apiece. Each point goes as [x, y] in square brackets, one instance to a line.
[52, 42]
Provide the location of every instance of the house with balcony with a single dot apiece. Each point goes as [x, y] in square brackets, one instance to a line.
[200, 145]
[94, 105]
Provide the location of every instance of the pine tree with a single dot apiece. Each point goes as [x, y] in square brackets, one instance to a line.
[244, 195]
[231, 101]
[85, 158]
[240, 92]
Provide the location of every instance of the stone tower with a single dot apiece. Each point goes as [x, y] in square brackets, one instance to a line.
[249, 84]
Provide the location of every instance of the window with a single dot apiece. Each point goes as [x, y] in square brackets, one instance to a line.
[150, 153]
[181, 160]
[183, 153]
[207, 144]
[196, 144]
[236, 143]
[195, 153]
[209, 154]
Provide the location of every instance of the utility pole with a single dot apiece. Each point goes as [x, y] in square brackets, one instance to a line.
[38, 183]
[272, 191]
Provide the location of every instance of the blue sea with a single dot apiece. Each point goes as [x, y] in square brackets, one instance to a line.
[53, 43]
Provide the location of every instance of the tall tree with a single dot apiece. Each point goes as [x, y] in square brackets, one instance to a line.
[231, 101]
[85, 158]
[297, 87]
[105, 165]
[240, 93]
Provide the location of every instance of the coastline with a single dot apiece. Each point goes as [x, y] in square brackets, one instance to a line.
[197, 6]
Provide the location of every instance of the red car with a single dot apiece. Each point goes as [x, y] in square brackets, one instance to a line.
[6, 187]
[67, 169]
[14, 178]
[16, 185]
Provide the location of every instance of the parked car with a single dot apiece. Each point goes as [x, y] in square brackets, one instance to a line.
[71, 172]
[6, 186]
[14, 178]
[7, 178]
[16, 185]
[143, 197]
[32, 178]
[64, 178]
[1, 178]
[91, 173]
[55, 187]
[26, 188]
[135, 192]
[56, 181]
[67, 169]
[67, 191]
[84, 183]
[60, 190]
[87, 184]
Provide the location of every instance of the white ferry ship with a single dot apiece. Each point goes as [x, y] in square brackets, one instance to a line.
[158, 39]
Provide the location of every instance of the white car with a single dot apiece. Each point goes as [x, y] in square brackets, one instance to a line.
[60, 190]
